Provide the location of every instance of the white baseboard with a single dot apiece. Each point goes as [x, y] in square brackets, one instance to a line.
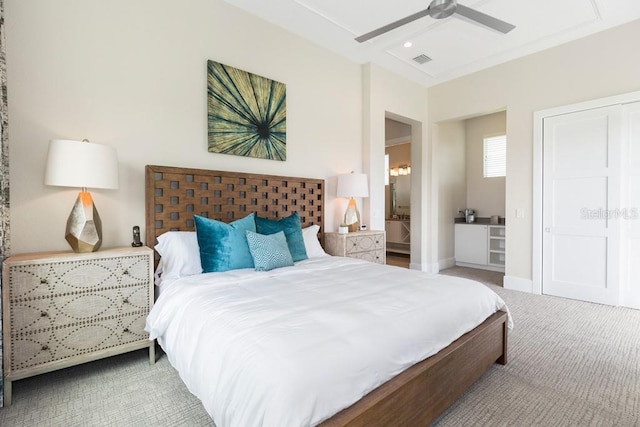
[518, 284]
[446, 263]
[415, 266]
[480, 266]
[433, 267]
[429, 268]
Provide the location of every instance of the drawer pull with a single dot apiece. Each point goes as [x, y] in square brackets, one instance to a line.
[45, 347]
[126, 330]
[43, 281]
[125, 273]
[125, 301]
[43, 314]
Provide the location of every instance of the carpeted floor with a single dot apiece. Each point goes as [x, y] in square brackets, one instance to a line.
[485, 276]
[570, 364]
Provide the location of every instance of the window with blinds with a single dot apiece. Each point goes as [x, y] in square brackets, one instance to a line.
[495, 156]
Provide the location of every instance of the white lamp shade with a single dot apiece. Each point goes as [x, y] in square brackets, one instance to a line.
[81, 164]
[352, 185]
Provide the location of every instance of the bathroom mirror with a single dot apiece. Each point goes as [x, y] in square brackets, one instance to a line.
[400, 195]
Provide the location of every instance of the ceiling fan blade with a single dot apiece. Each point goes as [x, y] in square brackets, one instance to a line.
[391, 26]
[483, 19]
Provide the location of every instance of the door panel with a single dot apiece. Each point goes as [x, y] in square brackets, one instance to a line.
[570, 267]
[584, 142]
[578, 199]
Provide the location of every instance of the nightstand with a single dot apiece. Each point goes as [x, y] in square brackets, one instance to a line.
[367, 245]
[62, 308]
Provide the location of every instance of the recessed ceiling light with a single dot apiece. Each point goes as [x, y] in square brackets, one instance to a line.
[407, 44]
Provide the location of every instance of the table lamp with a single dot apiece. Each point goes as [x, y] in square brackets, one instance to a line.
[86, 165]
[352, 185]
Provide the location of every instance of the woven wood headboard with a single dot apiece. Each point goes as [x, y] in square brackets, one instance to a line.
[173, 195]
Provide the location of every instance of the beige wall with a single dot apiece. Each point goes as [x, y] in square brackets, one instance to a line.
[450, 151]
[132, 75]
[597, 66]
[485, 195]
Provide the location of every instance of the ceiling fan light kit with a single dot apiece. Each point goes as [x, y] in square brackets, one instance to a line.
[440, 9]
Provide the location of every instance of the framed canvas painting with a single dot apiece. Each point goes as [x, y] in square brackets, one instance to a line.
[246, 113]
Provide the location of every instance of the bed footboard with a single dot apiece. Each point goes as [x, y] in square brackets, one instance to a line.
[423, 392]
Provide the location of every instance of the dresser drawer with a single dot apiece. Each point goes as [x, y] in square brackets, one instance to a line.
[55, 278]
[29, 314]
[38, 347]
[364, 243]
[377, 256]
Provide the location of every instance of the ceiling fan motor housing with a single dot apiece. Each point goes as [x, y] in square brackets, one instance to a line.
[439, 9]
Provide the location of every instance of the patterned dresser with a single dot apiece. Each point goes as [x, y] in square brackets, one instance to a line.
[62, 309]
[366, 245]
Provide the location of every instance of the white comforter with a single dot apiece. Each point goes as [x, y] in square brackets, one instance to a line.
[295, 345]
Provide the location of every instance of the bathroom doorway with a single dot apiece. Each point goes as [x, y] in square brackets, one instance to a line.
[398, 187]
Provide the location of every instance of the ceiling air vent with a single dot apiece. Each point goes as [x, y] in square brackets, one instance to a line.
[422, 59]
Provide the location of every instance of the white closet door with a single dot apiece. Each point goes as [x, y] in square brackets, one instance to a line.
[631, 200]
[581, 191]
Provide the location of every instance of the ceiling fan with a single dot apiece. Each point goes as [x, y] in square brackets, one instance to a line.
[439, 9]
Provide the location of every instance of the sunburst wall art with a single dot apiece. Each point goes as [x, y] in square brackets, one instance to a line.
[247, 113]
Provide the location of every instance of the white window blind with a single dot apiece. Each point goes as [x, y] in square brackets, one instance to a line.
[495, 156]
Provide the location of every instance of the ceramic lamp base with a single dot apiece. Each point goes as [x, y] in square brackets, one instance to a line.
[84, 227]
[352, 216]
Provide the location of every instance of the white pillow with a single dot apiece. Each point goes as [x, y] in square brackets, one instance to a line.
[311, 243]
[180, 256]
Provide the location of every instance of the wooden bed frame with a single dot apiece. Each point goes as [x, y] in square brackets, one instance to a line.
[415, 397]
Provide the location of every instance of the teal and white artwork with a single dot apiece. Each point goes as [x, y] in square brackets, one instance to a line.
[246, 113]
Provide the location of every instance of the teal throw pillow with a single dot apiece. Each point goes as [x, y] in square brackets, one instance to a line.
[292, 231]
[269, 251]
[224, 246]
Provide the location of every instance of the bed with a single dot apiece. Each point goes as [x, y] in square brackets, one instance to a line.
[411, 390]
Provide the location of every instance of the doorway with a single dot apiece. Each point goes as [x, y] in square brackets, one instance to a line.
[463, 184]
[398, 188]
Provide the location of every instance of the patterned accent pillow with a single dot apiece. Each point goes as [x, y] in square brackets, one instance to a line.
[292, 231]
[269, 251]
[224, 246]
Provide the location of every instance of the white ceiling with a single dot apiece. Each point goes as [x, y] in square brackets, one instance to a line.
[456, 46]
